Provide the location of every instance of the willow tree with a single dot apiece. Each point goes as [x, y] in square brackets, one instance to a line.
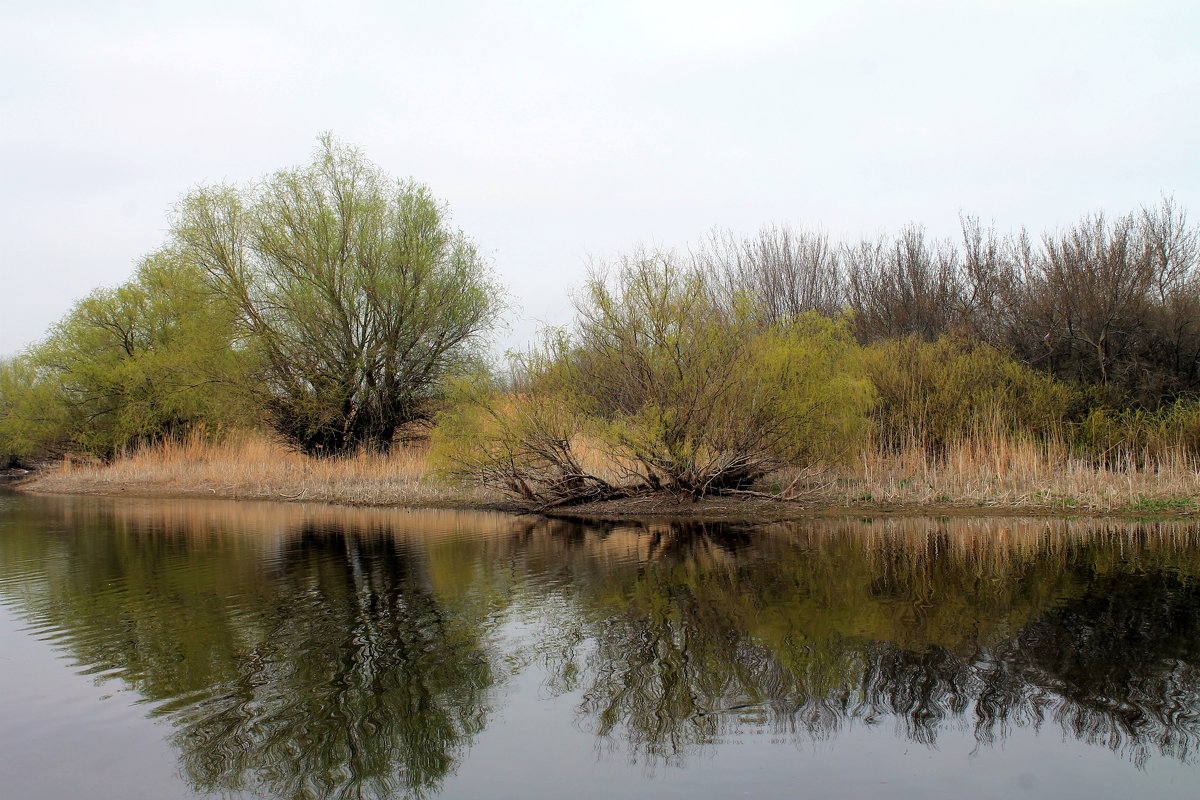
[128, 365]
[354, 294]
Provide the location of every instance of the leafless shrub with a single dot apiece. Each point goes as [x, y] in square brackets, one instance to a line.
[787, 271]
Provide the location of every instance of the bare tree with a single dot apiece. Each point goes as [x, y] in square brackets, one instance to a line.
[906, 286]
[786, 271]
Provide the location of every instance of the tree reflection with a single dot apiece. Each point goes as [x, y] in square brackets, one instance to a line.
[331, 669]
[1118, 666]
[364, 686]
[811, 634]
[355, 654]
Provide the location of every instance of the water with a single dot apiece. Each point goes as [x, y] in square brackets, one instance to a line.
[167, 649]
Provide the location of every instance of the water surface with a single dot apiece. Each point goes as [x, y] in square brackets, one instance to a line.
[167, 649]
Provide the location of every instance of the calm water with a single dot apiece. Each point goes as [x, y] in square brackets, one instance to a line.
[165, 649]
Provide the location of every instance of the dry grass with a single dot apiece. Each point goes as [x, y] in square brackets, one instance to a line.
[997, 473]
[1002, 472]
[255, 466]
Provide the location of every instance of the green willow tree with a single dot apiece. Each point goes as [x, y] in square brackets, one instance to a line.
[354, 294]
[31, 421]
[128, 365]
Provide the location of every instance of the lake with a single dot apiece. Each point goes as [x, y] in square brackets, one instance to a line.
[175, 648]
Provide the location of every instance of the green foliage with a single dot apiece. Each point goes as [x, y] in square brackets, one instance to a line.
[693, 388]
[355, 293]
[130, 364]
[1119, 435]
[32, 422]
[329, 296]
[670, 387]
[524, 433]
[934, 393]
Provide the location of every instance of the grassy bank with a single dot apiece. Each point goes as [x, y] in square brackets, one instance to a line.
[1001, 474]
[1005, 473]
[256, 467]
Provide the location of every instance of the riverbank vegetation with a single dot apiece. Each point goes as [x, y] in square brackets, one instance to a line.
[257, 466]
[323, 333]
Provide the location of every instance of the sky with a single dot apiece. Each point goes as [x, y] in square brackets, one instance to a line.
[563, 134]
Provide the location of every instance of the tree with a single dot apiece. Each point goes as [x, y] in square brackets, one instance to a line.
[908, 286]
[664, 383]
[31, 421]
[353, 292]
[1112, 304]
[126, 365]
[786, 271]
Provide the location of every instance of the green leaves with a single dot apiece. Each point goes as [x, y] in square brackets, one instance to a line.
[664, 383]
[354, 289]
[128, 365]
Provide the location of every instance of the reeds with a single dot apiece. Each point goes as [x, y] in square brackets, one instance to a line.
[256, 466]
[993, 472]
[1006, 471]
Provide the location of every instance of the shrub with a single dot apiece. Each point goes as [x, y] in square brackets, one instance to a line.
[1119, 436]
[933, 393]
[662, 386]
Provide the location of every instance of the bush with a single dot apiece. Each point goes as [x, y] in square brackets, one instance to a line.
[1119, 436]
[662, 386]
[526, 434]
[934, 393]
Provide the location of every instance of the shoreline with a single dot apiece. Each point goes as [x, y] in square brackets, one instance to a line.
[650, 508]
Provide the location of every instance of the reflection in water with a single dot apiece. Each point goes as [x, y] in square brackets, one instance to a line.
[321, 652]
[818, 629]
[362, 680]
[313, 664]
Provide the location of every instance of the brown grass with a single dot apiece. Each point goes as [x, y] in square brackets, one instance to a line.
[1004, 472]
[255, 466]
[996, 473]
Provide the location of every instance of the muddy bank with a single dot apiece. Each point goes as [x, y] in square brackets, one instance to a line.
[652, 507]
[15, 473]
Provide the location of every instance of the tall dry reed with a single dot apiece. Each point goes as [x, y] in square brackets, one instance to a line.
[255, 466]
[999, 471]
[1006, 471]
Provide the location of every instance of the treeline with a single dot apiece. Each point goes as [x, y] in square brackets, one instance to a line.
[1109, 304]
[339, 308]
[706, 371]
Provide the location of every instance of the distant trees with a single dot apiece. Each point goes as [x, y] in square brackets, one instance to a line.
[1112, 304]
[328, 300]
[1115, 304]
[701, 374]
[129, 364]
[339, 307]
[352, 291]
[788, 271]
[905, 286]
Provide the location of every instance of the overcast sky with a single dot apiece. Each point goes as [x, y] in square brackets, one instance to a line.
[559, 131]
